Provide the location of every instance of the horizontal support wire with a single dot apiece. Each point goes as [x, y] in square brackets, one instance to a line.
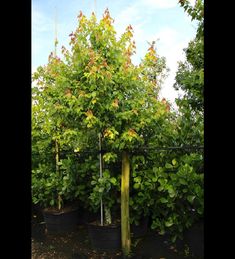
[133, 150]
[171, 148]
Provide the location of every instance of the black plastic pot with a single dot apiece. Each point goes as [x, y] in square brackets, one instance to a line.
[86, 216]
[105, 238]
[60, 222]
[194, 237]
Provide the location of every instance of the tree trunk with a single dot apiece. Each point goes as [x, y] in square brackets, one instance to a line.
[125, 222]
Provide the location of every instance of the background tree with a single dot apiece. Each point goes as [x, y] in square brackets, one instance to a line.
[190, 74]
[190, 79]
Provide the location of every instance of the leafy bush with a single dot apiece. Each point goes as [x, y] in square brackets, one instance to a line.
[170, 193]
[106, 188]
[179, 196]
[53, 189]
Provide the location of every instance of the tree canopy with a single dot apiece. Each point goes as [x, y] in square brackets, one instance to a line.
[96, 88]
[190, 74]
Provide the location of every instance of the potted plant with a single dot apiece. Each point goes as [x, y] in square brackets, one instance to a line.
[105, 232]
[55, 179]
[57, 193]
[178, 196]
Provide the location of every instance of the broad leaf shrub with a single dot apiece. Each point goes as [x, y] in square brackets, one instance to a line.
[171, 193]
[50, 189]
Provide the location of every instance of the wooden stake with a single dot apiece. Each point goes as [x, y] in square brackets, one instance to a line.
[125, 221]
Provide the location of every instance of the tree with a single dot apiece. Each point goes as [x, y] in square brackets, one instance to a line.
[190, 79]
[190, 74]
[100, 91]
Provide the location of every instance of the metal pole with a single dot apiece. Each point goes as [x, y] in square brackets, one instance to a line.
[101, 175]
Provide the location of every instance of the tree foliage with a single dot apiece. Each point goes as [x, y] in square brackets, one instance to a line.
[190, 74]
[95, 88]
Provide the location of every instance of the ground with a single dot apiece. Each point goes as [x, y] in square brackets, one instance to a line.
[76, 245]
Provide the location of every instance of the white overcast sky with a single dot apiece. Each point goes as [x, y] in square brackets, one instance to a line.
[161, 20]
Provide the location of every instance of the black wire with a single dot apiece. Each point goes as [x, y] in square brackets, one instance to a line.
[170, 148]
[133, 150]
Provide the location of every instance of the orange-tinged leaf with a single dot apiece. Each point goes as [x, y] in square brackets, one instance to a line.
[81, 93]
[115, 103]
[135, 111]
[132, 132]
[89, 114]
[80, 14]
[68, 92]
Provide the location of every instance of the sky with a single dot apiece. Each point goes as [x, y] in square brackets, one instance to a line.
[161, 20]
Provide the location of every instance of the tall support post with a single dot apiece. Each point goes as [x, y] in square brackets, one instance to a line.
[95, 7]
[125, 221]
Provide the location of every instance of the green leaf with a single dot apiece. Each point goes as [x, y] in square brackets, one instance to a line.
[106, 174]
[182, 181]
[154, 179]
[137, 179]
[155, 169]
[168, 166]
[113, 180]
[93, 94]
[174, 162]
[162, 232]
[101, 189]
[169, 223]
[136, 186]
[171, 193]
[163, 200]
[190, 198]
[200, 211]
